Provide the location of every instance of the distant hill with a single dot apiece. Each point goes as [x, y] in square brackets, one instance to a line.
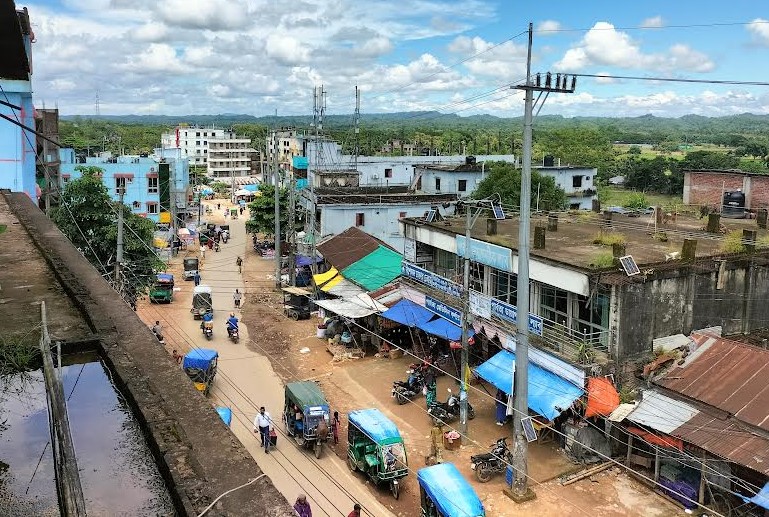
[743, 123]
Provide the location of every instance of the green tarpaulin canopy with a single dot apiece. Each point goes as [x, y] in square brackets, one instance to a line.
[376, 269]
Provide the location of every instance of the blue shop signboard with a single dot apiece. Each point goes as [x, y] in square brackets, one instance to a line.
[509, 313]
[429, 279]
[444, 311]
[487, 253]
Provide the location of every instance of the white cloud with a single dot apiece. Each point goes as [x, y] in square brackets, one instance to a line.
[653, 22]
[759, 29]
[548, 26]
[604, 45]
[158, 57]
[213, 15]
[151, 32]
[505, 61]
[287, 50]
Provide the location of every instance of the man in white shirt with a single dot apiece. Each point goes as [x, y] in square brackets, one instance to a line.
[262, 423]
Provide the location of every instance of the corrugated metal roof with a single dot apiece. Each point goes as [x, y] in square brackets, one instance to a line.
[661, 412]
[720, 435]
[348, 247]
[727, 375]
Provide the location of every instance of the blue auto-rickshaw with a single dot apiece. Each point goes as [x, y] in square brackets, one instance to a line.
[225, 414]
[445, 493]
[200, 366]
[376, 448]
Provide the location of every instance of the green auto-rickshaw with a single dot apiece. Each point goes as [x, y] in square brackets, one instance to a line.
[306, 415]
[163, 288]
[376, 448]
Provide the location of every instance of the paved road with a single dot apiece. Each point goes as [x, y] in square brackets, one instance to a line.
[246, 380]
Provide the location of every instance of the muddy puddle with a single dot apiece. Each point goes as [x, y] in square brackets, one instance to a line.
[117, 470]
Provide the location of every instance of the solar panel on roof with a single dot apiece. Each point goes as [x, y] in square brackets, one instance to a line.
[629, 265]
[430, 217]
[499, 214]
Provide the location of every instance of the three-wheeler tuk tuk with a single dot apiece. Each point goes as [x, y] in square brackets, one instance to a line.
[444, 492]
[306, 415]
[201, 301]
[200, 366]
[297, 304]
[163, 288]
[234, 213]
[191, 265]
[376, 448]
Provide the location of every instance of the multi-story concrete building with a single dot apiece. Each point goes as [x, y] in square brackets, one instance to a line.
[17, 145]
[587, 309]
[155, 187]
[577, 182]
[290, 143]
[229, 157]
[193, 141]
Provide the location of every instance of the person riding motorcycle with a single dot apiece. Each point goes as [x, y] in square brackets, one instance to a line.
[207, 317]
[232, 324]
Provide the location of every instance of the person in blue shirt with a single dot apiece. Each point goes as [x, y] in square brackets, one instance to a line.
[232, 323]
[207, 317]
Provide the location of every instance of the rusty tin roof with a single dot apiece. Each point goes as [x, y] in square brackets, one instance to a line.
[348, 247]
[726, 375]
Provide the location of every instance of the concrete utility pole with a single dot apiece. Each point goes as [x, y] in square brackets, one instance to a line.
[291, 231]
[277, 215]
[320, 110]
[119, 258]
[357, 128]
[465, 324]
[520, 490]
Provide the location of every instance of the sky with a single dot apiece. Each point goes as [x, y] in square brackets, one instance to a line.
[259, 57]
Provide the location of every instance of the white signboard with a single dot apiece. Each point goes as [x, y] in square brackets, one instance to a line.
[410, 250]
[480, 305]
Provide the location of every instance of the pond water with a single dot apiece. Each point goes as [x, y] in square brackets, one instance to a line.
[117, 469]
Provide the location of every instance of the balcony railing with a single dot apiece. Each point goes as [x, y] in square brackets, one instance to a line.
[574, 345]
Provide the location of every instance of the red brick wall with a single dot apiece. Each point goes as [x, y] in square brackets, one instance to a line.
[759, 192]
[706, 188]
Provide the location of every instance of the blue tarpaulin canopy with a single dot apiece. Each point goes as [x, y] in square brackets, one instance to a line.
[199, 358]
[451, 493]
[375, 425]
[761, 498]
[549, 394]
[225, 413]
[408, 313]
[299, 162]
[251, 188]
[443, 328]
[303, 260]
[165, 278]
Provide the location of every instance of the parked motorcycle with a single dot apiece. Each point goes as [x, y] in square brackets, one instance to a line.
[490, 463]
[448, 411]
[225, 236]
[403, 391]
[233, 334]
[216, 246]
[208, 329]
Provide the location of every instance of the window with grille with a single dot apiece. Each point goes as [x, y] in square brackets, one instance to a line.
[152, 185]
[152, 208]
[359, 219]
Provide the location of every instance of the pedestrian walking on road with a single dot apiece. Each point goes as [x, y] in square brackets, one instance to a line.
[335, 427]
[355, 511]
[302, 507]
[236, 297]
[239, 263]
[262, 423]
[218, 206]
[197, 279]
[202, 251]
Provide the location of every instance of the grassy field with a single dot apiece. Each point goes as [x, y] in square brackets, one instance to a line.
[616, 196]
[649, 153]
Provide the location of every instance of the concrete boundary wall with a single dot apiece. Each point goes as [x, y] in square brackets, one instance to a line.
[198, 455]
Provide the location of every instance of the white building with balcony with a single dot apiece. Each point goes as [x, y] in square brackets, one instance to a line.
[229, 157]
[193, 141]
